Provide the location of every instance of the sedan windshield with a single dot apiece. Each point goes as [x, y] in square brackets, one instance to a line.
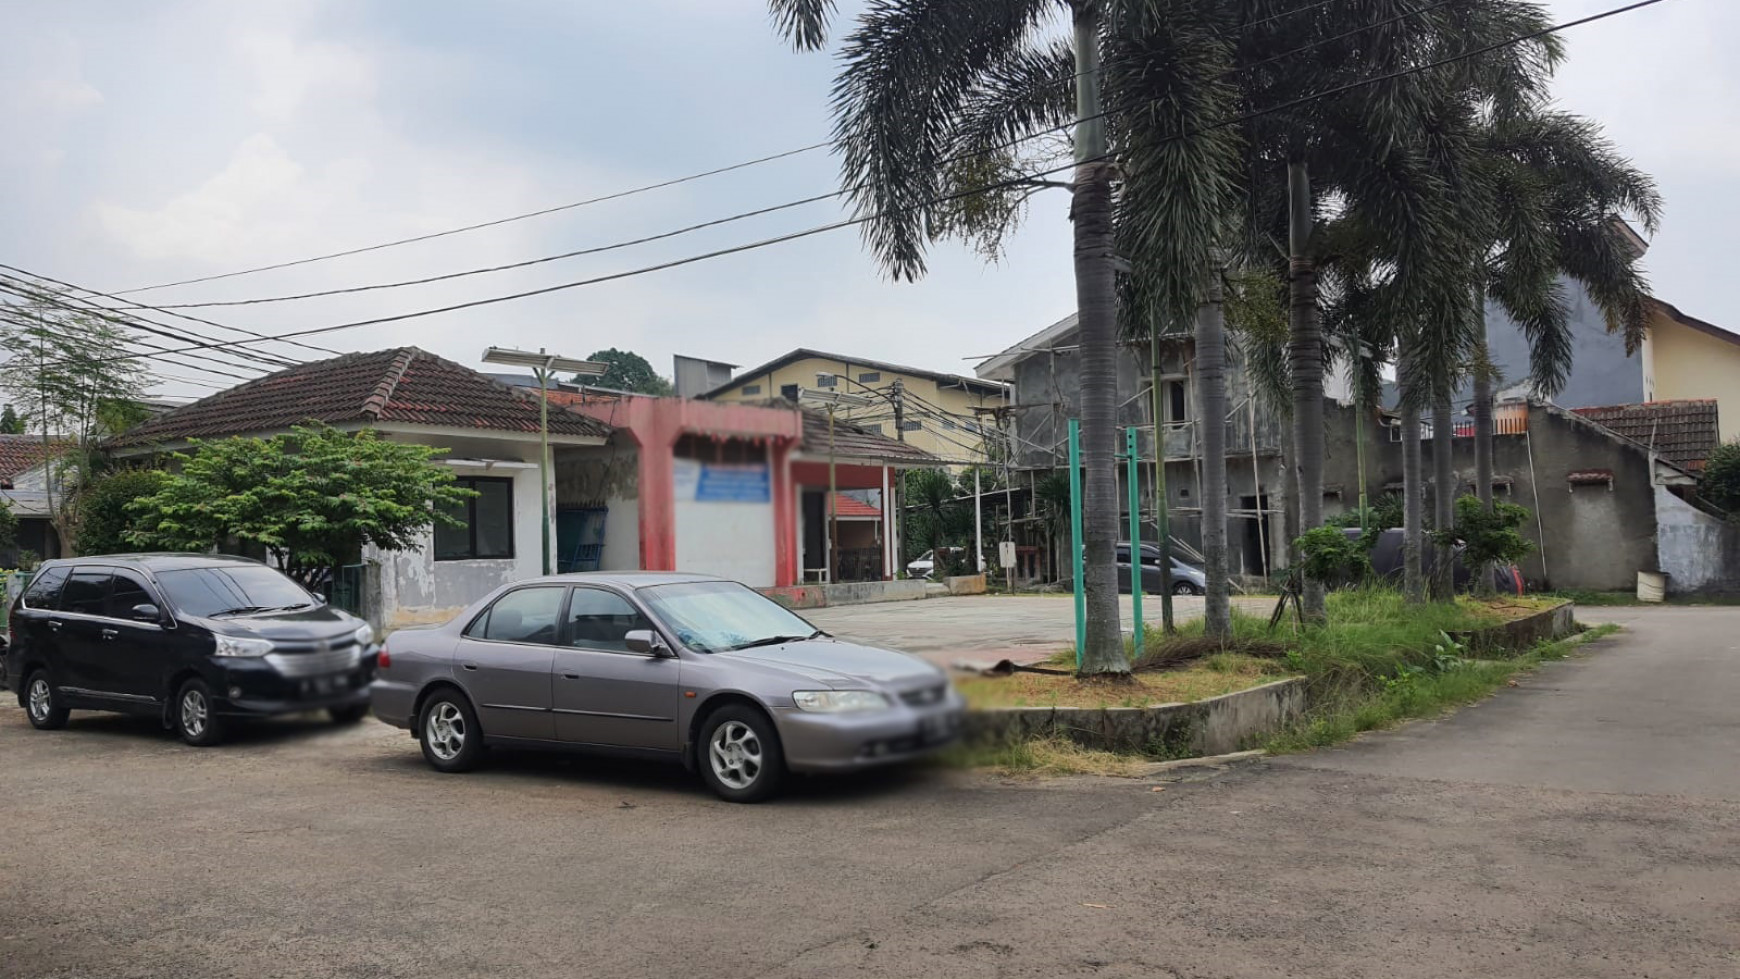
[715, 616]
[235, 590]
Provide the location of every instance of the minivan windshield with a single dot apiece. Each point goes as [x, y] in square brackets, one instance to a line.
[237, 590]
[717, 616]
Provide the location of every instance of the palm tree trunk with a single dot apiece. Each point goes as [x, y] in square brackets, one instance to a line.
[1211, 412]
[1443, 497]
[1482, 408]
[1096, 310]
[1305, 357]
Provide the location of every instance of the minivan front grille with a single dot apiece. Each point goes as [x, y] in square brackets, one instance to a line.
[296, 665]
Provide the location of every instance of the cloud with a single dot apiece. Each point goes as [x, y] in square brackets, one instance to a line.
[220, 219]
[61, 94]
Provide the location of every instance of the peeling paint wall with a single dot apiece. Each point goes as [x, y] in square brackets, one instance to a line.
[1699, 553]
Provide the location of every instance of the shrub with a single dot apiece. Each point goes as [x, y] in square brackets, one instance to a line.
[105, 520]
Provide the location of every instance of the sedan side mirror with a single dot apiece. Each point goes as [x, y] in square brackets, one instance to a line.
[645, 641]
[146, 613]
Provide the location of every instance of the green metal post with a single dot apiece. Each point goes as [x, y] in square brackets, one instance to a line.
[1162, 519]
[1132, 466]
[1075, 556]
[1359, 440]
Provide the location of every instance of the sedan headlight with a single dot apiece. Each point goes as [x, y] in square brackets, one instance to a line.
[365, 634]
[240, 647]
[839, 701]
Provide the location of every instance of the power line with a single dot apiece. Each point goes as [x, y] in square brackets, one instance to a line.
[486, 224]
[985, 151]
[152, 346]
[243, 360]
[165, 310]
[863, 219]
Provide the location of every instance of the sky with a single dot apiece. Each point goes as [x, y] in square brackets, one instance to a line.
[148, 143]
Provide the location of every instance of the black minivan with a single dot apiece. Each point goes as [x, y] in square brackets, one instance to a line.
[189, 638]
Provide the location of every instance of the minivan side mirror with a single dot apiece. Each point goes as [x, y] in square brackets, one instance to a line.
[645, 641]
[146, 613]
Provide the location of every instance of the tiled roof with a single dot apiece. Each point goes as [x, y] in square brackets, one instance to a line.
[404, 385]
[852, 442]
[1682, 432]
[847, 507]
[20, 452]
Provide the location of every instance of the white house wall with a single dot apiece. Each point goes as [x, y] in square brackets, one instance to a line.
[727, 538]
[1699, 553]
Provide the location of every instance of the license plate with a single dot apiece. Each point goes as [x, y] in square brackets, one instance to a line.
[935, 728]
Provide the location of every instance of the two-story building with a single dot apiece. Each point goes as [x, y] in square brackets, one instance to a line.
[949, 416]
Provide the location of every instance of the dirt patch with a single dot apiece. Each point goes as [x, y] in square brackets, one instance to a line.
[1170, 653]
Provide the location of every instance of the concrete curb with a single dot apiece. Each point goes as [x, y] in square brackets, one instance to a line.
[1215, 726]
[1518, 635]
[1210, 762]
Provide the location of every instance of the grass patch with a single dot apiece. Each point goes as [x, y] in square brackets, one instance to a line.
[1046, 756]
[1423, 692]
[1596, 599]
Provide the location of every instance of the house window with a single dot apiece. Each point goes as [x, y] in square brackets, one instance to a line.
[826, 380]
[877, 428]
[949, 425]
[911, 426]
[749, 389]
[486, 522]
[869, 377]
[789, 392]
[1175, 401]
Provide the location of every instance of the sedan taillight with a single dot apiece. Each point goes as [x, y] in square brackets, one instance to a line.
[383, 660]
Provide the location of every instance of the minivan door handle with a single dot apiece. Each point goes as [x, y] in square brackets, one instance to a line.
[110, 633]
[570, 676]
[469, 666]
[54, 625]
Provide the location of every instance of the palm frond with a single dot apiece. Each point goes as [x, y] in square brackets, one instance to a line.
[804, 23]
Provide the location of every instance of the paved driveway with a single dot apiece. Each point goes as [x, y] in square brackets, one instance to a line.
[987, 628]
[1585, 824]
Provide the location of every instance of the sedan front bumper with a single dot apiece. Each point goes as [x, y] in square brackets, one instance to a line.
[817, 742]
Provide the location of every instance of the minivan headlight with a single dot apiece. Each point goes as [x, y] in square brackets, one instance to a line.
[839, 701]
[365, 634]
[239, 647]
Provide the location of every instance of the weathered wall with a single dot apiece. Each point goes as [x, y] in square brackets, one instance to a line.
[1699, 553]
[1207, 727]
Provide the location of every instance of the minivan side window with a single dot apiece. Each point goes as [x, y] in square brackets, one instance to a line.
[85, 592]
[523, 615]
[127, 592]
[601, 620]
[46, 588]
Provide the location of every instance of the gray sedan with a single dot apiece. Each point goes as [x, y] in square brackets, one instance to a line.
[661, 666]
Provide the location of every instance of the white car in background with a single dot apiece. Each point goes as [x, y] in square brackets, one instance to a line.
[924, 566]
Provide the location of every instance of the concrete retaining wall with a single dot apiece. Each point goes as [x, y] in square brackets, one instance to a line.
[966, 584]
[846, 593]
[1207, 727]
[1518, 635]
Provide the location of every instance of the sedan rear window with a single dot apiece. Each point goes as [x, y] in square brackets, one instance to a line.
[237, 590]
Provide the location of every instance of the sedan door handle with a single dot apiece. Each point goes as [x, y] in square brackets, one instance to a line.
[110, 633]
[570, 676]
[469, 666]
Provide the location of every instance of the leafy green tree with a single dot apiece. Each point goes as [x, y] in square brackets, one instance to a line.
[10, 422]
[8, 527]
[1491, 535]
[1720, 483]
[1328, 556]
[69, 377]
[311, 498]
[104, 503]
[628, 372]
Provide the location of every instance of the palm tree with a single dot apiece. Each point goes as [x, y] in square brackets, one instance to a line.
[1211, 415]
[930, 97]
[1558, 186]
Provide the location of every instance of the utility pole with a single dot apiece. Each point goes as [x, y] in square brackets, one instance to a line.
[833, 504]
[897, 398]
[1162, 519]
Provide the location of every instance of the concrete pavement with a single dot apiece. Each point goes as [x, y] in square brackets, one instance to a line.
[1499, 848]
[988, 628]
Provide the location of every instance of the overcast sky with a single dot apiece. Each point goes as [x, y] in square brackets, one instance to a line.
[149, 142]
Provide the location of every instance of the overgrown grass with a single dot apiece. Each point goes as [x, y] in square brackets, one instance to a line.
[1595, 599]
[1045, 756]
[1211, 676]
[1426, 691]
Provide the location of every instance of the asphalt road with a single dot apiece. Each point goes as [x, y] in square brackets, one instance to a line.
[1585, 824]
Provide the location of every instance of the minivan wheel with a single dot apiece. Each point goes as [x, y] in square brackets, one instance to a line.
[348, 715]
[741, 757]
[40, 702]
[1183, 588]
[451, 738]
[195, 718]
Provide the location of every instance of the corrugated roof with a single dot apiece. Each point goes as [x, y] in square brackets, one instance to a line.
[1682, 432]
[404, 385]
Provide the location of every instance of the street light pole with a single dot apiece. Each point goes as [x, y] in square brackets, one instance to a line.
[833, 504]
[542, 364]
